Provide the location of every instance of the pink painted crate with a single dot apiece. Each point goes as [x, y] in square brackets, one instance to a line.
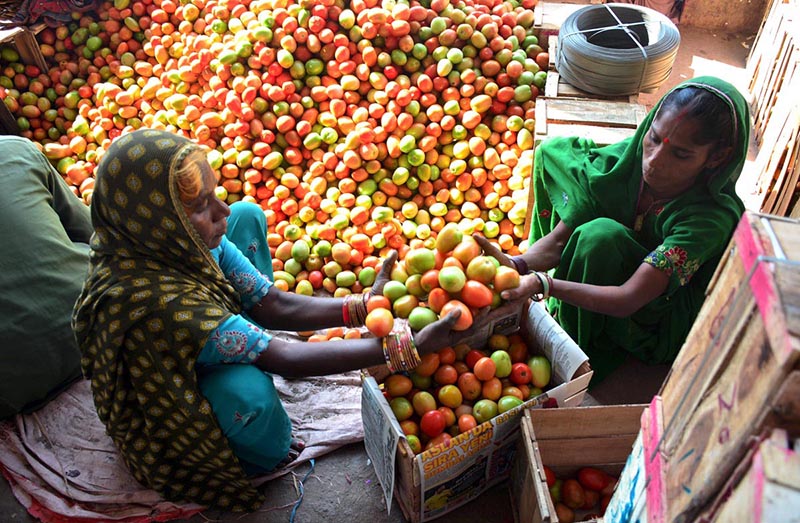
[737, 371]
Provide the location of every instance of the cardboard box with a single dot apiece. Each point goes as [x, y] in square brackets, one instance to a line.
[441, 479]
[737, 373]
[565, 440]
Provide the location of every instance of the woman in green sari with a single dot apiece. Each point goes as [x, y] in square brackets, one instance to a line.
[635, 230]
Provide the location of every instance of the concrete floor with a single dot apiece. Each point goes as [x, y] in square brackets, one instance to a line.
[344, 487]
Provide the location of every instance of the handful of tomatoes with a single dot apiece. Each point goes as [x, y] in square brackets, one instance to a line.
[427, 284]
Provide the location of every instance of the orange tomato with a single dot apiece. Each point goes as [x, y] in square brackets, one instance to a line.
[466, 422]
[379, 322]
[470, 386]
[437, 299]
[492, 389]
[445, 375]
[428, 365]
[398, 385]
[484, 369]
[465, 320]
[378, 302]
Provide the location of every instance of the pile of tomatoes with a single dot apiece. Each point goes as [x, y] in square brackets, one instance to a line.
[458, 388]
[590, 490]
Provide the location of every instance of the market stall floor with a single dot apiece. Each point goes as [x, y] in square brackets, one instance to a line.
[343, 486]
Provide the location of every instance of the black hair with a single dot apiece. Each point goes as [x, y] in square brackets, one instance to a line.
[717, 124]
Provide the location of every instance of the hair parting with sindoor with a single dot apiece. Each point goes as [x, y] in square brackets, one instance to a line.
[716, 119]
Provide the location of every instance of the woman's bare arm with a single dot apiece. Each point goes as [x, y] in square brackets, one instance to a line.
[645, 285]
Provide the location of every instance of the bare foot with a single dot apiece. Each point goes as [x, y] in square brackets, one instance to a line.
[295, 448]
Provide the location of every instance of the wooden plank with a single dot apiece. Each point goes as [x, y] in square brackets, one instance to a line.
[716, 433]
[728, 304]
[599, 421]
[588, 451]
[600, 135]
[24, 40]
[593, 112]
[770, 490]
[8, 124]
[790, 171]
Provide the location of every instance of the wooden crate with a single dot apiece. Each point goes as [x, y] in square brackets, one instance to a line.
[773, 62]
[24, 40]
[774, 81]
[603, 121]
[769, 489]
[548, 16]
[736, 372]
[477, 460]
[566, 440]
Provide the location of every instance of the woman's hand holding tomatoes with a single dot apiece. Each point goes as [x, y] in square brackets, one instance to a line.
[529, 285]
[440, 334]
[384, 275]
[490, 249]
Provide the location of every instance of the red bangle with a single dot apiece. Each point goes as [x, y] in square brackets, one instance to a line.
[345, 313]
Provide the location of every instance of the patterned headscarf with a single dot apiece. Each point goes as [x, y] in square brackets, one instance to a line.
[153, 296]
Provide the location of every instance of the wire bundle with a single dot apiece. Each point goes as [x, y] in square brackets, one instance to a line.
[616, 49]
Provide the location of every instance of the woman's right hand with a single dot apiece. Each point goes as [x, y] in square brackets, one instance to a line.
[490, 249]
[436, 336]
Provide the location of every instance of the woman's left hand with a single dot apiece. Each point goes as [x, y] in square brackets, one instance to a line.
[384, 275]
[529, 285]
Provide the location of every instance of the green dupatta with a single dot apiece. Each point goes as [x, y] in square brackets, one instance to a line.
[584, 181]
[153, 296]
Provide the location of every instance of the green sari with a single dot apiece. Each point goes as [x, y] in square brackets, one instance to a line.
[153, 297]
[594, 190]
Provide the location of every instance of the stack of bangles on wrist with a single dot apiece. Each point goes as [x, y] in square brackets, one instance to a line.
[547, 285]
[399, 349]
[354, 310]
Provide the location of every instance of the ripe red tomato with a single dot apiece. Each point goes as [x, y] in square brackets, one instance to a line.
[472, 358]
[432, 423]
[476, 294]
[520, 374]
[445, 375]
[550, 476]
[593, 479]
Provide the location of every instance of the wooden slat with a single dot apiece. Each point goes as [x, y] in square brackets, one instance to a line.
[593, 112]
[606, 420]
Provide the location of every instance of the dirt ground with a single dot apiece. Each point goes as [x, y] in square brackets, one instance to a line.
[343, 486]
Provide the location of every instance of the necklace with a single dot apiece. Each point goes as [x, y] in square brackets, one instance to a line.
[641, 211]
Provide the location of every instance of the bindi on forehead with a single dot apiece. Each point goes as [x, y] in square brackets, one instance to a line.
[676, 129]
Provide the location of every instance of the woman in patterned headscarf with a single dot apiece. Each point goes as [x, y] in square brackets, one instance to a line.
[636, 229]
[169, 324]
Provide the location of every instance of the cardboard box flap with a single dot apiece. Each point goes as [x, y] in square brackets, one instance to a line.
[543, 333]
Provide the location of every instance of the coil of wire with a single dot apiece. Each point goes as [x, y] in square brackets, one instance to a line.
[616, 49]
